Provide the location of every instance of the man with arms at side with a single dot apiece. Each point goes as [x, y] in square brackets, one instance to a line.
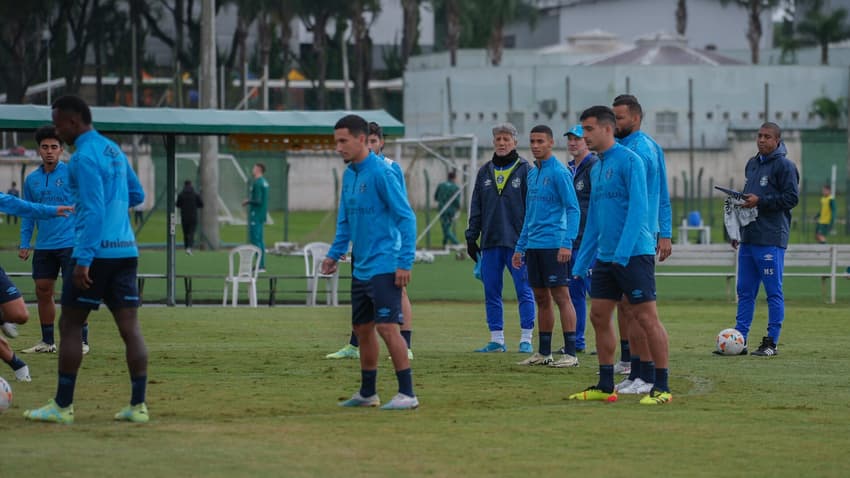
[448, 202]
[48, 184]
[352, 350]
[373, 212]
[496, 214]
[551, 223]
[772, 183]
[582, 163]
[635, 356]
[618, 235]
[105, 257]
[258, 208]
[189, 201]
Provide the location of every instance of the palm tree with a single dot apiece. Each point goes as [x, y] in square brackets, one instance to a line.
[824, 28]
[754, 8]
[681, 17]
[410, 31]
[500, 13]
[315, 16]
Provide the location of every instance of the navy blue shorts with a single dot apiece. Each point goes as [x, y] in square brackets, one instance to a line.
[8, 290]
[544, 270]
[46, 263]
[636, 280]
[113, 283]
[376, 300]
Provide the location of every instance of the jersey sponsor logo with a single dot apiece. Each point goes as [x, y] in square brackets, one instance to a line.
[107, 244]
[637, 293]
[516, 183]
[580, 185]
[763, 181]
[768, 257]
[384, 312]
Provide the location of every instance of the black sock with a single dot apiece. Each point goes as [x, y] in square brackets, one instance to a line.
[606, 378]
[647, 372]
[65, 389]
[406, 334]
[570, 343]
[139, 384]
[625, 351]
[405, 382]
[47, 334]
[635, 373]
[15, 362]
[368, 382]
[353, 340]
[545, 346]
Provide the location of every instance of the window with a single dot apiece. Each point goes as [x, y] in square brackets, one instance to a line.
[666, 122]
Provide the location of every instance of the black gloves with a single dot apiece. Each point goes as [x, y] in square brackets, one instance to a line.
[473, 250]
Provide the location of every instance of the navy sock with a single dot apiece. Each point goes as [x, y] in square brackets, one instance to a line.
[405, 382]
[625, 351]
[367, 384]
[647, 372]
[139, 384]
[47, 334]
[65, 390]
[606, 378]
[407, 336]
[86, 333]
[545, 343]
[353, 340]
[15, 363]
[570, 343]
[635, 373]
[661, 380]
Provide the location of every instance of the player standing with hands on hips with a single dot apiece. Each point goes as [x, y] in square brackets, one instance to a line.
[373, 211]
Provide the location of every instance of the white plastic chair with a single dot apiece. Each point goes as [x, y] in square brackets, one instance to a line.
[314, 254]
[243, 271]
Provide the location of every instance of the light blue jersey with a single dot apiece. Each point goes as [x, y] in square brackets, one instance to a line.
[552, 214]
[399, 175]
[17, 207]
[371, 208]
[105, 187]
[48, 188]
[660, 212]
[617, 220]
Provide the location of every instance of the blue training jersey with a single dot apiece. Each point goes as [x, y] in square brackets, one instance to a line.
[399, 175]
[617, 220]
[552, 213]
[48, 188]
[18, 207]
[105, 187]
[660, 212]
[372, 209]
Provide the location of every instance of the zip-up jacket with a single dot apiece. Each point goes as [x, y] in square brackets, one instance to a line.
[258, 201]
[399, 175]
[105, 187]
[617, 219]
[371, 207]
[552, 214]
[582, 186]
[48, 188]
[497, 217]
[18, 207]
[774, 179]
[660, 211]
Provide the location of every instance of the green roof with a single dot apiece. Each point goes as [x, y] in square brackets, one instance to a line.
[198, 121]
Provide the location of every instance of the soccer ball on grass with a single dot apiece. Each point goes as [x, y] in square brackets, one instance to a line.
[5, 394]
[730, 342]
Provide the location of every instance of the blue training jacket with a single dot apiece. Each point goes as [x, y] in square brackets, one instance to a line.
[583, 187]
[617, 220]
[399, 175]
[18, 207]
[552, 214]
[660, 212]
[105, 187]
[498, 217]
[49, 188]
[371, 208]
[774, 179]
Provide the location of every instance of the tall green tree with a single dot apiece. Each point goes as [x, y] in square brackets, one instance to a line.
[316, 16]
[824, 28]
[23, 54]
[754, 10]
[497, 14]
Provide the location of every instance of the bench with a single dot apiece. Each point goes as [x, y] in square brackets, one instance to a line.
[834, 258]
[704, 233]
[705, 255]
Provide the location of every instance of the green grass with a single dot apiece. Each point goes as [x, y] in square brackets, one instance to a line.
[248, 393]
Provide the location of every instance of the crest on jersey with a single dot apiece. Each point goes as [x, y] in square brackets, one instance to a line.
[59, 182]
[546, 181]
[516, 183]
[580, 185]
[500, 179]
[363, 188]
[608, 174]
[763, 181]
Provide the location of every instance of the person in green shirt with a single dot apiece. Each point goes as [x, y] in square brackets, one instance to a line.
[446, 193]
[258, 206]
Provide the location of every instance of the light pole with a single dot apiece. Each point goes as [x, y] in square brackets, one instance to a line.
[45, 38]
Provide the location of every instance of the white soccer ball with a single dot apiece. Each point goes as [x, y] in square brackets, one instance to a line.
[730, 342]
[424, 257]
[5, 394]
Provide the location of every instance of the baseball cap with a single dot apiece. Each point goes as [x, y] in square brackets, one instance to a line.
[576, 131]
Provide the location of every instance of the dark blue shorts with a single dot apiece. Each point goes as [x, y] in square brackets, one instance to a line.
[46, 263]
[544, 270]
[636, 280]
[376, 300]
[113, 283]
[8, 290]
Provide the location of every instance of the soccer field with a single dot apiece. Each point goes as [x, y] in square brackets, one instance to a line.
[247, 392]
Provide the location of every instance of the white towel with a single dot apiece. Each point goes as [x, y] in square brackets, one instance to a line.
[735, 217]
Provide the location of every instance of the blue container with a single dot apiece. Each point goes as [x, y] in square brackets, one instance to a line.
[694, 219]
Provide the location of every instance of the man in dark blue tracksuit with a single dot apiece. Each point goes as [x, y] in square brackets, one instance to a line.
[772, 187]
[583, 161]
[496, 215]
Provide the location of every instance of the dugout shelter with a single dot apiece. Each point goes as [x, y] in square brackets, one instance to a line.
[250, 130]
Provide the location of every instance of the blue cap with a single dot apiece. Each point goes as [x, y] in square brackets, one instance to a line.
[576, 131]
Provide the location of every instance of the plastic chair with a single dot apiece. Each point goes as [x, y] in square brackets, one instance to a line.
[314, 254]
[246, 270]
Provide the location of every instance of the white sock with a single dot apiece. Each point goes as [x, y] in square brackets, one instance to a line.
[497, 336]
[526, 335]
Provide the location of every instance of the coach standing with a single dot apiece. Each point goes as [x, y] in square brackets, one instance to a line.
[772, 187]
